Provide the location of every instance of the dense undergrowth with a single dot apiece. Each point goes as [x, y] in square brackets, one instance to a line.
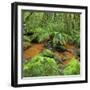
[46, 64]
[54, 30]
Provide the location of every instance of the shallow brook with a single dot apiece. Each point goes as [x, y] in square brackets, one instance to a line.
[37, 48]
[33, 50]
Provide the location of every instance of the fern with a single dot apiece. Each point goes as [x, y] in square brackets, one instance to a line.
[73, 68]
[40, 66]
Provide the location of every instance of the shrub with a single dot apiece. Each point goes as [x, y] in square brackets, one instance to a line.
[40, 35]
[73, 68]
[40, 66]
[47, 53]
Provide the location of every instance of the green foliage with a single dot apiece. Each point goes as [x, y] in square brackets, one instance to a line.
[73, 68]
[26, 38]
[47, 53]
[62, 27]
[26, 41]
[31, 20]
[40, 35]
[40, 66]
[55, 29]
[59, 38]
[77, 40]
[26, 44]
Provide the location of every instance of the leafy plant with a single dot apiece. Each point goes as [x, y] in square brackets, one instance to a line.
[26, 41]
[47, 53]
[59, 38]
[77, 40]
[26, 45]
[40, 66]
[26, 38]
[39, 35]
[73, 68]
[64, 27]
[42, 35]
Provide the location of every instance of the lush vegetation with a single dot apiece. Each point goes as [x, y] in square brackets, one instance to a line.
[41, 66]
[56, 27]
[45, 64]
[55, 30]
[72, 68]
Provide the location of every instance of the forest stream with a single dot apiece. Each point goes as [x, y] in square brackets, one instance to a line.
[51, 43]
[37, 48]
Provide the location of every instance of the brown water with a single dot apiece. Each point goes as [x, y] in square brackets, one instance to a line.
[67, 56]
[32, 51]
[37, 48]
